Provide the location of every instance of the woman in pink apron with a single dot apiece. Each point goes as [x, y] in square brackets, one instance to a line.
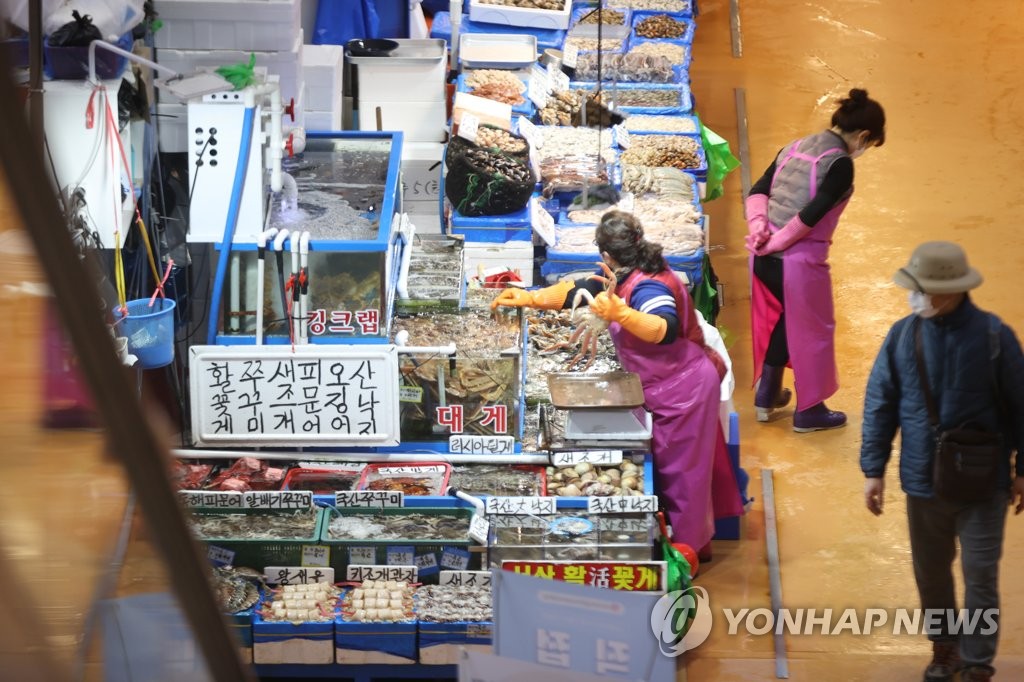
[655, 330]
[792, 212]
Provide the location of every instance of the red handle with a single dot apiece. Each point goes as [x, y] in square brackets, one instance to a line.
[290, 109]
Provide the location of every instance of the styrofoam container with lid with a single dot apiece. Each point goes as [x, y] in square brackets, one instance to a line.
[414, 72]
[269, 25]
[520, 16]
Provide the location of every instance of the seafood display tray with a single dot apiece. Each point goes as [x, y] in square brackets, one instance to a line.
[613, 390]
[432, 477]
[683, 101]
[259, 553]
[612, 537]
[526, 108]
[608, 425]
[522, 480]
[520, 16]
[322, 481]
[497, 50]
[685, 39]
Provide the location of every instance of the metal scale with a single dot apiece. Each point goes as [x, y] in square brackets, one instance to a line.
[604, 411]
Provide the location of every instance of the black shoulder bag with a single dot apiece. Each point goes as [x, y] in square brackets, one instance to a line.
[966, 467]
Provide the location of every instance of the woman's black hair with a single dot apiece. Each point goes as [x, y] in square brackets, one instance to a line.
[860, 112]
[622, 236]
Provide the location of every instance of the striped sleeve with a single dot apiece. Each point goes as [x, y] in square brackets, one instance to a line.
[653, 297]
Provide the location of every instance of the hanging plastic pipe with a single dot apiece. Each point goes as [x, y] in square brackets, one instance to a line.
[408, 231]
[289, 193]
[231, 223]
[261, 244]
[304, 281]
[279, 255]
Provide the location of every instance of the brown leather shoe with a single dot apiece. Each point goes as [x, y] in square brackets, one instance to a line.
[976, 673]
[945, 661]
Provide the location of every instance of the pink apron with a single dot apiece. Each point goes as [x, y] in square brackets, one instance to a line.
[807, 287]
[681, 389]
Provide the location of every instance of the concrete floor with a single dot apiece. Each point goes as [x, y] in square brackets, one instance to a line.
[947, 74]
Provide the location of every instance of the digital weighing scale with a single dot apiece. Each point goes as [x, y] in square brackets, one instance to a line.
[604, 410]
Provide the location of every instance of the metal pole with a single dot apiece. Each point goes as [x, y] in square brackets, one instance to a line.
[35, 72]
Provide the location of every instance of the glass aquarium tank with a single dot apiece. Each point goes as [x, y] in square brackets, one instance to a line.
[571, 536]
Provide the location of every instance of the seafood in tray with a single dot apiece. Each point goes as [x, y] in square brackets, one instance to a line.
[630, 68]
[454, 604]
[675, 151]
[186, 476]
[570, 536]
[588, 480]
[297, 525]
[662, 181]
[550, 351]
[497, 85]
[660, 26]
[674, 224]
[556, 5]
[505, 480]
[314, 603]
[398, 527]
[660, 123]
[248, 473]
[413, 479]
[674, 6]
[676, 54]
[236, 589]
[379, 601]
[322, 481]
[588, 44]
[641, 97]
[604, 16]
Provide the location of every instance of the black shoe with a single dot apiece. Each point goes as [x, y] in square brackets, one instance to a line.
[945, 661]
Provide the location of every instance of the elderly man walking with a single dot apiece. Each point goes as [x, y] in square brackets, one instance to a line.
[950, 378]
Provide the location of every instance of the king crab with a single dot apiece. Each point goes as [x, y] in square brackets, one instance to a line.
[588, 325]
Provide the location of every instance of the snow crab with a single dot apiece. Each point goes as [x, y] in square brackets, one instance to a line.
[588, 325]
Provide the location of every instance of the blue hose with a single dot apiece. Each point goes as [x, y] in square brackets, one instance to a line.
[231, 223]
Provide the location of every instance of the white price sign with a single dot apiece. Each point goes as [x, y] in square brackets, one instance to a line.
[298, 575]
[542, 222]
[425, 562]
[468, 125]
[622, 136]
[455, 558]
[220, 556]
[215, 500]
[481, 445]
[598, 457]
[363, 556]
[537, 90]
[401, 556]
[529, 132]
[626, 202]
[348, 499]
[410, 394]
[316, 555]
[479, 529]
[360, 574]
[622, 505]
[466, 578]
[521, 505]
[279, 499]
[569, 54]
[558, 81]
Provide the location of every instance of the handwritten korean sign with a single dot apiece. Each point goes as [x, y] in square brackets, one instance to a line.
[298, 575]
[360, 574]
[598, 457]
[482, 445]
[213, 500]
[622, 505]
[521, 505]
[347, 499]
[344, 395]
[466, 578]
[270, 499]
[633, 576]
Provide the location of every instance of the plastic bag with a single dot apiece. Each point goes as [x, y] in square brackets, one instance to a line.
[113, 18]
[77, 33]
[721, 162]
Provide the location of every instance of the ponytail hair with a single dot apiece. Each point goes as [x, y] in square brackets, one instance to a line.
[622, 236]
[860, 112]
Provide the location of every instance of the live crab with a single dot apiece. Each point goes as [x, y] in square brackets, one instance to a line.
[589, 326]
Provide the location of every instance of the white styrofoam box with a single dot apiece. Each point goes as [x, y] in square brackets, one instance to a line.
[322, 65]
[270, 25]
[323, 99]
[426, 222]
[172, 120]
[421, 171]
[420, 121]
[323, 120]
[287, 64]
[385, 80]
[519, 16]
[516, 256]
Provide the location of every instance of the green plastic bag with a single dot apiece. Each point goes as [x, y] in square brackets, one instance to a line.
[721, 162]
[239, 75]
[705, 294]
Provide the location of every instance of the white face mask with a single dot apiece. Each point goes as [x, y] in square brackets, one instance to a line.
[859, 153]
[921, 304]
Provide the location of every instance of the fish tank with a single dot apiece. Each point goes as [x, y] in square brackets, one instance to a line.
[475, 392]
[571, 537]
[349, 201]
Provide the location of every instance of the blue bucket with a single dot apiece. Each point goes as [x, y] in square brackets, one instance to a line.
[150, 331]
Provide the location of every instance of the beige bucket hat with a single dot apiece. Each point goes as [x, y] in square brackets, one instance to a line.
[938, 268]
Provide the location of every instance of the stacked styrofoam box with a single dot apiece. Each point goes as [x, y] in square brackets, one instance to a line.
[409, 93]
[229, 24]
[488, 258]
[421, 184]
[322, 71]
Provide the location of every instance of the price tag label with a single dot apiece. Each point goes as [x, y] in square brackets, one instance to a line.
[454, 558]
[597, 457]
[466, 578]
[557, 80]
[401, 556]
[349, 499]
[479, 529]
[360, 574]
[213, 500]
[363, 556]
[538, 506]
[219, 556]
[279, 499]
[426, 564]
[529, 132]
[537, 89]
[298, 575]
[542, 222]
[316, 555]
[622, 505]
[410, 394]
[622, 136]
[481, 445]
[534, 163]
[468, 125]
[626, 202]
[569, 54]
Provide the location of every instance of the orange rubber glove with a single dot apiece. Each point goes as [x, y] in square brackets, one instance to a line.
[644, 326]
[548, 298]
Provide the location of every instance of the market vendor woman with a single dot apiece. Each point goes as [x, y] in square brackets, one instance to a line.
[656, 333]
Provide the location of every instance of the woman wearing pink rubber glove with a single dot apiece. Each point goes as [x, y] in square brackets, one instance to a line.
[792, 212]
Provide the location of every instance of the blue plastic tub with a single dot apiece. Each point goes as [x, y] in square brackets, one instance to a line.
[72, 63]
[688, 32]
[512, 227]
[150, 331]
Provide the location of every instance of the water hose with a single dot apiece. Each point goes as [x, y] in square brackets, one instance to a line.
[231, 223]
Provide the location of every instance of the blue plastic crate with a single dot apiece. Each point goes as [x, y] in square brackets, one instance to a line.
[313, 642]
[513, 227]
[688, 32]
[526, 108]
[393, 643]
